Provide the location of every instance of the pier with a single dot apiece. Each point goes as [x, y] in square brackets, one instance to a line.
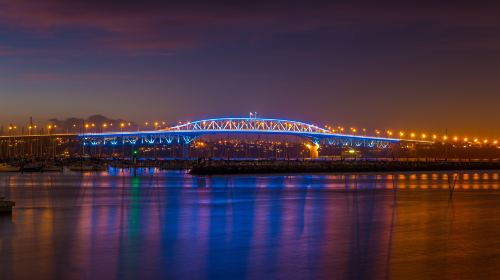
[322, 166]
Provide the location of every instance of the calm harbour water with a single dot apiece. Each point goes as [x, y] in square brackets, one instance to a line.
[170, 225]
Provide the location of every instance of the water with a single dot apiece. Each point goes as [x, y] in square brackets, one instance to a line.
[170, 225]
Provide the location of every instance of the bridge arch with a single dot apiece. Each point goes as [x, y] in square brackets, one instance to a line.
[249, 125]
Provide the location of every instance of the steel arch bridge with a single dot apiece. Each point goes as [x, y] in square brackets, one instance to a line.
[186, 133]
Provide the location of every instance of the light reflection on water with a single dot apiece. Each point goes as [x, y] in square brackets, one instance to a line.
[112, 225]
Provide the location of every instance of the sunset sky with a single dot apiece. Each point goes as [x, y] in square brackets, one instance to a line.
[431, 66]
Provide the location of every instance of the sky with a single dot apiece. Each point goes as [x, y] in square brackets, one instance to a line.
[424, 66]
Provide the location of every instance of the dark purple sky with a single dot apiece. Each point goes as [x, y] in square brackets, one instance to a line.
[377, 64]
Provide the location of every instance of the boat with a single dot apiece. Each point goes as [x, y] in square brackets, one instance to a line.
[5, 205]
[8, 168]
[32, 167]
[121, 165]
[87, 167]
[52, 168]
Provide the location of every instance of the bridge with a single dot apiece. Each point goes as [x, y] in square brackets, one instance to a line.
[188, 132]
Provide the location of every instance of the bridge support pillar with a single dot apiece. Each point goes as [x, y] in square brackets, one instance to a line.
[185, 151]
[313, 150]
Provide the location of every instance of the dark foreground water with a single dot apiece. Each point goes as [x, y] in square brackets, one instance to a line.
[174, 226]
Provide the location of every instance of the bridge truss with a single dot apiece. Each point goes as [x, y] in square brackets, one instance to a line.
[188, 132]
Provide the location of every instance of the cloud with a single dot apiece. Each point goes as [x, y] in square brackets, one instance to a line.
[51, 77]
[160, 27]
[10, 51]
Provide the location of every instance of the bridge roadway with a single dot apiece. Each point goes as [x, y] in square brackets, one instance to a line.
[186, 133]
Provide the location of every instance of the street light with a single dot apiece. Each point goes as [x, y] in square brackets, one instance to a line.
[11, 133]
[122, 125]
[49, 130]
